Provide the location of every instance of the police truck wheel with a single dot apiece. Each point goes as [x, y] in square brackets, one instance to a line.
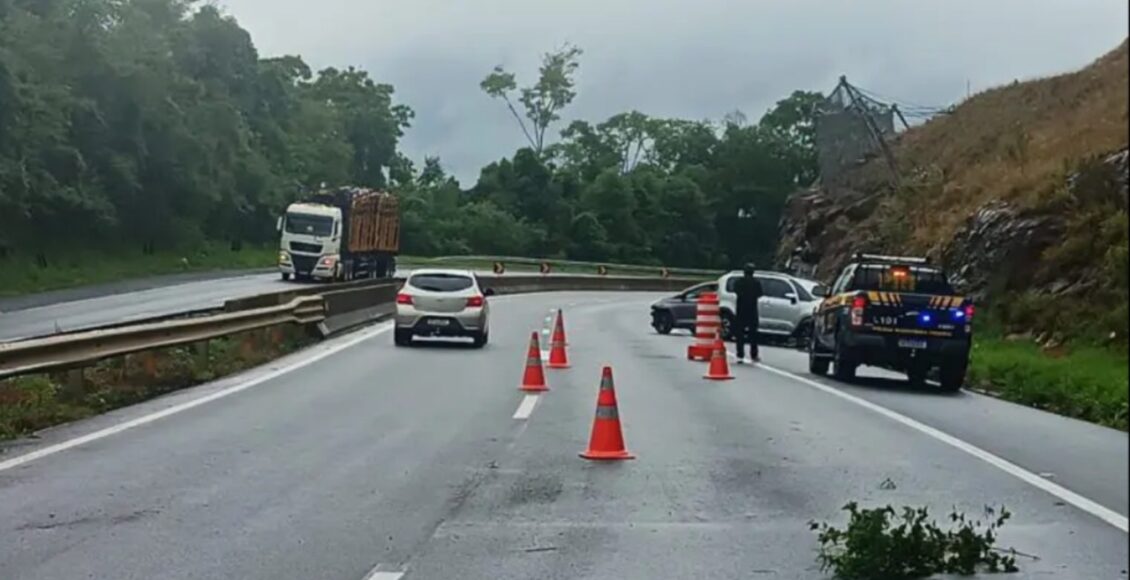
[843, 363]
[817, 365]
[952, 376]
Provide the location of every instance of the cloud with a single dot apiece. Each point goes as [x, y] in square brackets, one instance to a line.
[672, 58]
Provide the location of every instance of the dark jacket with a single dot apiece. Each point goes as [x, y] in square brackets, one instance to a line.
[748, 291]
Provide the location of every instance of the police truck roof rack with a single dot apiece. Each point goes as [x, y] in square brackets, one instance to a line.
[861, 257]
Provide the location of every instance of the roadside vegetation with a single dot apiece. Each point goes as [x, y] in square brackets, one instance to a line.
[33, 402]
[907, 544]
[1088, 382]
[83, 266]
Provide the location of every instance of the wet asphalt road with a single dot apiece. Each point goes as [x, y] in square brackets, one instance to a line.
[379, 462]
[48, 313]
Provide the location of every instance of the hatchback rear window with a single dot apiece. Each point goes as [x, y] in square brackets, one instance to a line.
[441, 282]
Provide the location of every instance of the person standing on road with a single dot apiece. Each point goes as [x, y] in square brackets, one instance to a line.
[748, 292]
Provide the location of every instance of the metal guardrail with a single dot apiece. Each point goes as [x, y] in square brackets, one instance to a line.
[83, 348]
[330, 309]
[576, 264]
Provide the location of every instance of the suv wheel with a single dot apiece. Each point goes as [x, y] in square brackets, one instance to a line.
[663, 322]
[480, 339]
[402, 337]
[727, 325]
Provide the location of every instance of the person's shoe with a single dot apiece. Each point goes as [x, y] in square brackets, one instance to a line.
[754, 359]
[739, 359]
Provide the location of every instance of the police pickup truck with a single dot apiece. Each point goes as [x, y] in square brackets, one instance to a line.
[893, 312]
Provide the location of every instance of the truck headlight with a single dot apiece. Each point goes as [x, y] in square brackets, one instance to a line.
[284, 257]
[328, 261]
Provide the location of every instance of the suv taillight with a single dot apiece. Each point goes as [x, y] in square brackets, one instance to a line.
[475, 302]
[403, 299]
[858, 304]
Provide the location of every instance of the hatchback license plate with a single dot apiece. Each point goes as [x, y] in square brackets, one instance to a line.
[915, 343]
[438, 322]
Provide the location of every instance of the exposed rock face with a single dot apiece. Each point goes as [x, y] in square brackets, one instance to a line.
[997, 248]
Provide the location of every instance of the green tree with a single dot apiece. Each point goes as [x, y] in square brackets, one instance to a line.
[544, 100]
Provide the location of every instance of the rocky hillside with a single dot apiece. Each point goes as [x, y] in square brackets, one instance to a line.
[1021, 193]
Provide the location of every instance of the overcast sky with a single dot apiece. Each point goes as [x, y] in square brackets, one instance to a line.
[692, 59]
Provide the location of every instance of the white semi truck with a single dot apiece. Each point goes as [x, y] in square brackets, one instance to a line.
[342, 234]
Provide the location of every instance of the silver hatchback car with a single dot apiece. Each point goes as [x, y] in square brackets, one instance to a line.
[442, 303]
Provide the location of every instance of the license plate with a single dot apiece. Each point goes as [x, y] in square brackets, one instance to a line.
[915, 343]
[438, 322]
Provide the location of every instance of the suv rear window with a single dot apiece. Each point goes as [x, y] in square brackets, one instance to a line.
[440, 282]
[919, 280]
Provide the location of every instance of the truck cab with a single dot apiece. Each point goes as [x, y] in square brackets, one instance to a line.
[898, 313]
[310, 242]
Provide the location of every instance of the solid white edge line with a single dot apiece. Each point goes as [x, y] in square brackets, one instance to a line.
[1103, 513]
[329, 350]
[526, 407]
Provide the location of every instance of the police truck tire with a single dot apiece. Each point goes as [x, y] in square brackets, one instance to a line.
[817, 365]
[952, 376]
[843, 365]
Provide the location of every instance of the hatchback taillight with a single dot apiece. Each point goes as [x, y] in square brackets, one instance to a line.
[857, 305]
[475, 302]
[403, 299]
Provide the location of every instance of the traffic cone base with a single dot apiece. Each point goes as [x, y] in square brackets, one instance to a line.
[533, 379]
[719, 366]
[607, 455]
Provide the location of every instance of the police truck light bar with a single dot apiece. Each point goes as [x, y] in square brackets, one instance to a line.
[893, 259]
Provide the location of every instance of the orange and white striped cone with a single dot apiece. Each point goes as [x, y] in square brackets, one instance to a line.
[533, 379]
[607, 440]
[708, 323]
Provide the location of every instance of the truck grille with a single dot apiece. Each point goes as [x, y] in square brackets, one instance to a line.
[303, 264]
[304, 247]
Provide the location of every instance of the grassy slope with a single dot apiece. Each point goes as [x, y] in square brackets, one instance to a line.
[1019, 143]
[22, 275]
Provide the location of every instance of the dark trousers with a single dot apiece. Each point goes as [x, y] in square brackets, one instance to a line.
[745, 332]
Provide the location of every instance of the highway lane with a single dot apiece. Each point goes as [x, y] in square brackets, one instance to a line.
[146, 302]
[410, 461]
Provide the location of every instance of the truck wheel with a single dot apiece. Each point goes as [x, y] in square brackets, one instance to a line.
[952, 376]
[817, 365]
[402, 337]
[916, 374]
[662, 322]
[844, 364]
[285, 277]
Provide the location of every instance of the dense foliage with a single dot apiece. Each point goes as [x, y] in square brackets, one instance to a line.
[155, 122]
[630, 189]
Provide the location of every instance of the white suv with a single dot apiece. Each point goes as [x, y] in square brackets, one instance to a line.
[785, 309]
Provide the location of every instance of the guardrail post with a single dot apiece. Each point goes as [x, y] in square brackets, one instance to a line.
[74, 385]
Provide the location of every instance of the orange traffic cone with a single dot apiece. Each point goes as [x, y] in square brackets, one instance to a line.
[559, 327]
[719, 367]
[558, 358]
[533, 380]
[607, 441]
